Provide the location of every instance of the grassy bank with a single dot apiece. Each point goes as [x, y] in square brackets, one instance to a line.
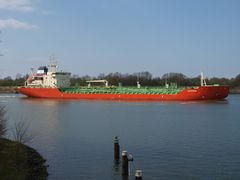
[235, 90]
[18, 161]
[8, 89]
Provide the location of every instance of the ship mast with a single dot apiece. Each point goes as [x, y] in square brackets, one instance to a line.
[203, 80]
[52, 64]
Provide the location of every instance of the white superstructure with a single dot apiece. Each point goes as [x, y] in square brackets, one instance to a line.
[49, 77]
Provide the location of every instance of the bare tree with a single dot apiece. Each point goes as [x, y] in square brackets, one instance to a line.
[3, 121]
[21, 133]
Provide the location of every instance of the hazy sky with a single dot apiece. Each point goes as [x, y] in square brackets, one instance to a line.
[103, 36]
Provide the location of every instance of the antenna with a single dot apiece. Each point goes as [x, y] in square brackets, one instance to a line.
[32, 71]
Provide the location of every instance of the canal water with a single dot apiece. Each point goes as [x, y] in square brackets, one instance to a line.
[168, 140]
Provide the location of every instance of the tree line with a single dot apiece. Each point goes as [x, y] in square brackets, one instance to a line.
[144, 78]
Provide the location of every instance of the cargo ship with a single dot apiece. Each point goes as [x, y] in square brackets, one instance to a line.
[47, 82]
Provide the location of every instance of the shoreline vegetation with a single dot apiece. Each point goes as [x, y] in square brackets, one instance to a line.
[8, 89]
[18, 161]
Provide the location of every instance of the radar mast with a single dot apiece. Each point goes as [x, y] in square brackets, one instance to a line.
[203, 80]
[52, 64]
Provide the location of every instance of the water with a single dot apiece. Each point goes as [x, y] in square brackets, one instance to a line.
[168, 140]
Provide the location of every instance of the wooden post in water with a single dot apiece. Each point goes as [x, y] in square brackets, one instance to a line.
[125, 164]
[116, 150]
[138, 175]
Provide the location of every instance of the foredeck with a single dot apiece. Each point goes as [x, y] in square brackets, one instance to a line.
[121, 90]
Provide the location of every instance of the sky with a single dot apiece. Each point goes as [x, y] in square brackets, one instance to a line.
[89, 37]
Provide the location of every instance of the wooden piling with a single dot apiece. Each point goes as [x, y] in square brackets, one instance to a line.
[116, 149]
[125, 164]
[138, 175]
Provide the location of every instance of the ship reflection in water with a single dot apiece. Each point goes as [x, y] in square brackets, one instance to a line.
[169, 140]
[44, 102]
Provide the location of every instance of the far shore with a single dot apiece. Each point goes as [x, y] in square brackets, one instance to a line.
[8, 89]
[235, 90]
[12, 89]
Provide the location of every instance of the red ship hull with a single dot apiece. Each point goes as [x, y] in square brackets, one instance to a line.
[199, 93]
